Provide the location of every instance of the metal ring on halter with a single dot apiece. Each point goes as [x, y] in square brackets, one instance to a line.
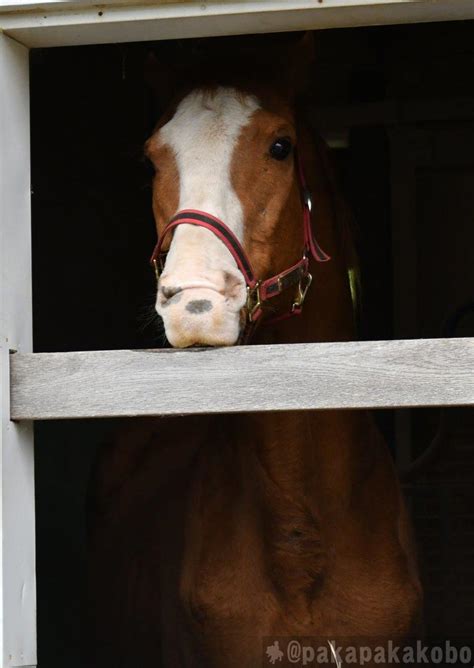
[159, 264]
[307, 201]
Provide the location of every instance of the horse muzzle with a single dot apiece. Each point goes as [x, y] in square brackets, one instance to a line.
[199, 317]
[201, 294]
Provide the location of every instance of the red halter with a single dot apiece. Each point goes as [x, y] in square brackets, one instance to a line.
[258, 291]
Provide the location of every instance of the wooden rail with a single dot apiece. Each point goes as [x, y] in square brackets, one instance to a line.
[357, 375]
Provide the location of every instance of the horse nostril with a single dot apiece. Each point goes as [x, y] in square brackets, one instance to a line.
[199, 306]
[169, 292]
[233, 285]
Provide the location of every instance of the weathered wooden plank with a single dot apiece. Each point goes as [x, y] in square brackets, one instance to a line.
[255, 378]
[86, 22]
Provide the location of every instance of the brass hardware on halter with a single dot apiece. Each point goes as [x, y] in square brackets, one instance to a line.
[302, 290]
[156, 268]
[159, 264]
[254, 301]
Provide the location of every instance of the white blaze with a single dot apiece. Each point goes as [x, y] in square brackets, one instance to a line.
[203, 134]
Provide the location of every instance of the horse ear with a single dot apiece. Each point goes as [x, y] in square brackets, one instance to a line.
[300, 63]
[162, 78]
[306, 48]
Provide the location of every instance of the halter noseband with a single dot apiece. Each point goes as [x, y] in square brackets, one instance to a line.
[258, 291]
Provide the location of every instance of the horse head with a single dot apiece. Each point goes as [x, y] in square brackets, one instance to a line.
[230, 202]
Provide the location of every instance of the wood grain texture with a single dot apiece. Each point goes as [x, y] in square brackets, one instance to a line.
[255, 378]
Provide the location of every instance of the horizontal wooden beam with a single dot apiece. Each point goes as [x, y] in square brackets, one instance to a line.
[40, 24]
[377, 374]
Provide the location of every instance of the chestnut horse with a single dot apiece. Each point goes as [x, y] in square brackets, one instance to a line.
[213, 537]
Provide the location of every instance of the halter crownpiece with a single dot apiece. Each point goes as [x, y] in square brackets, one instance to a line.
[258, 291]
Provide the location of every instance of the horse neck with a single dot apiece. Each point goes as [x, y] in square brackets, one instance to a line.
[291, 446]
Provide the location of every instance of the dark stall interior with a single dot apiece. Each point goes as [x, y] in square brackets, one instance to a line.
[396, 105]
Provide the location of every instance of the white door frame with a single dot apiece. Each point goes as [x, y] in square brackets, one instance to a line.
[17, 553]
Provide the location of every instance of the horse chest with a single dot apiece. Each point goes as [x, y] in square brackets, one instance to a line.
[244, 558]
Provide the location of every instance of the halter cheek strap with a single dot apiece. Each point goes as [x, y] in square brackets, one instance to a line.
[258, 291]
[310, 242]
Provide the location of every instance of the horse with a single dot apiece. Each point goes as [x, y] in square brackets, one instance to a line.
[215, 538]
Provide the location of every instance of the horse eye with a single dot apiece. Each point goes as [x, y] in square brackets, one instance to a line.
[281, 148]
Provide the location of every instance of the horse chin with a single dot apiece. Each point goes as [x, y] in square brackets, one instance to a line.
[190, 338]
[199, 322]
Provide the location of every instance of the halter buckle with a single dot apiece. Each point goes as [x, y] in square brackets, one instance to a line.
[302, 290]
[254, 301]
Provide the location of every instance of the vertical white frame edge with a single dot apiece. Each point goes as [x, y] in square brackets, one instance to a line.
[17, 499]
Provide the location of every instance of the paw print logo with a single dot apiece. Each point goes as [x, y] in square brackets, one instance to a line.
[274, 653]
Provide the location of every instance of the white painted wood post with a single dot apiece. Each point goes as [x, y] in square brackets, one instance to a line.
[17, 516]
